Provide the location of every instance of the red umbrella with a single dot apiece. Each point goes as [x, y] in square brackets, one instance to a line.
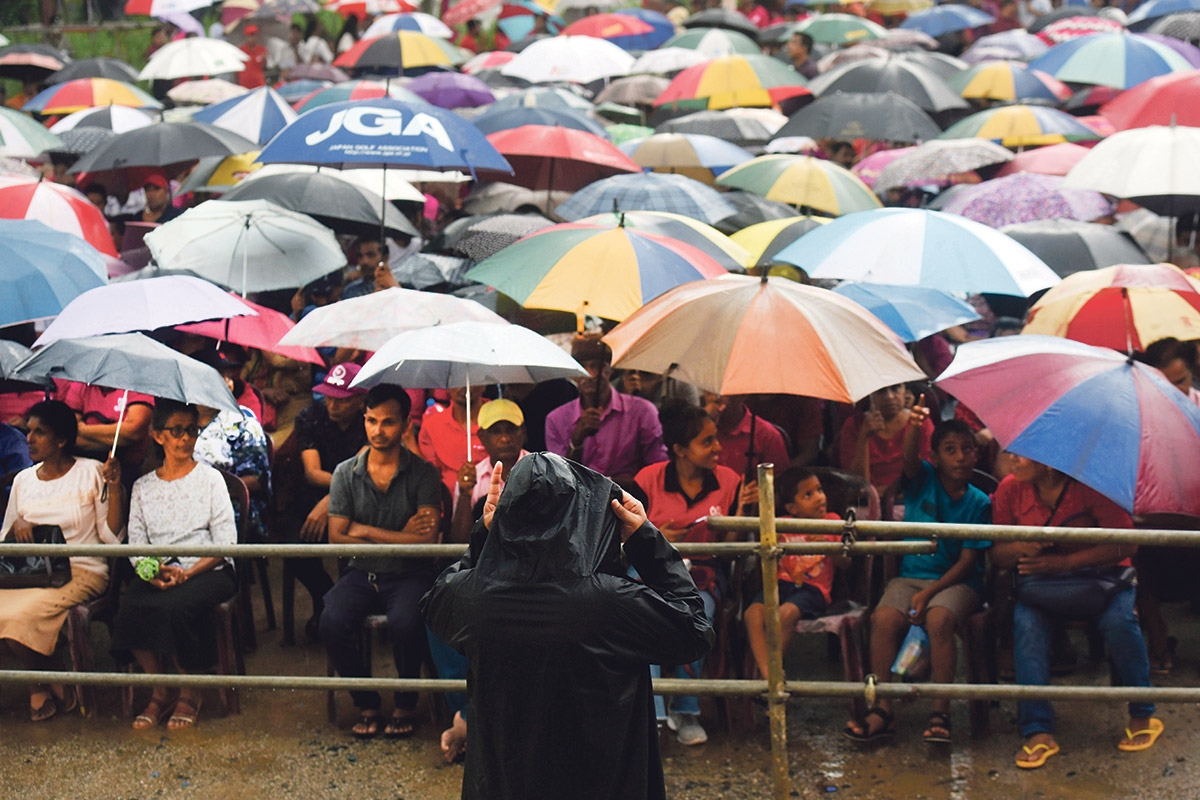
[58, 206]
[1166, 100]
[608, 26]
[262, 332]
[555, 157]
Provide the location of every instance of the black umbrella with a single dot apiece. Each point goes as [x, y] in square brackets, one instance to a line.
[452, 233]
[752, 209]
[742, 131]
[635, 90]
[111, 68]
[31, 62]
[1068, 246]
[1066, 12]
[338, 204]
[883, 117]
[492, 234]
[777, 33]
[165, 144]
[85, 139]
[495, 79]
[722, 18]
[893, 74]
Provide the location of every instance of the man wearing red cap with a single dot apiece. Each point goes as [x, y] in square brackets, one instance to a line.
[253, 76]
[158, 202]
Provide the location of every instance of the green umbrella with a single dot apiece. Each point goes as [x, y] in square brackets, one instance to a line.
[840, 29]
[21, 137]
[624, 132]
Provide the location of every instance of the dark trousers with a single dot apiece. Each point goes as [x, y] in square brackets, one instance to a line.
[354, 597]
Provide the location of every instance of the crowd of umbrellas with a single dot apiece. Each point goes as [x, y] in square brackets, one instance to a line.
[671, 182]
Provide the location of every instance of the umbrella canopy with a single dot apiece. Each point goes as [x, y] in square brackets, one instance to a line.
[163, 145]
[1053, 159]
[553, 97]
[384, 132]
[205, 92]
[369, 322]
[81, 93]
[635, 90]
[1069, 246]
[590, 269]
[256, 116]
[722, 18]
[1183, 25]
[332, 199]
[712, 334]
[764, 239]
[31, 62]
[1016, 44]
[356, 90]
[412, 21]
[694, 155]
[1021, 126]
[22, 137]
[1110, 59]
[1152, 10]
[625, 31]
[804, 182]
[1123, 307]
[914, 247]
[559, 158]
[1053, 400]
[1165, 100]
[1156, 167]
[142, 306]
[261, 331]
[938, 160]
[217, 174]
[117, 119]
[507, 117]
[490, 198]
[749, 209]
[912, 312]
[1063, 12]
[389, 184]
[708, 42]
[840, 29]
[742, 131]
[100, 67]
[669, 59]
[44, 269]
[734, 81]
[517, 20]
[676, 194]
[577, 59]
[946, 19]
[61, 207]
[1008, 80]
[78, 141]
[487, 236]
[133, 362]
[452, 90]
[400, 51]
[892, 74]
[841, 115]
[705, 238]
[252, 245]
[317, 72]
[432, 271]
[464, 354]
[1026, 197]
[191, 57]
[490, 60]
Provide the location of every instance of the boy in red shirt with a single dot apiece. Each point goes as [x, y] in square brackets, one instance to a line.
[253, 76]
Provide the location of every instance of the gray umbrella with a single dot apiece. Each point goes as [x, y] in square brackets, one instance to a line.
[492, 234]
[79, 141]
[841, 115]
[163, 144]
[132, 362]
[1184, 25]
[739, 130]
[12, 354]
[429, 270]
[1069, 246]
[722, 18]
[893, 74]
[634, 90]
[751, 209]
[111, 68]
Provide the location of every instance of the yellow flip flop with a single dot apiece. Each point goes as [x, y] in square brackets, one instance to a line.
[1154, 731]
[1045, 750]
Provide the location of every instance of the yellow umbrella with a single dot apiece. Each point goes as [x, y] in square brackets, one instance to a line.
[802, 181]
[217, 174]
[764, 239]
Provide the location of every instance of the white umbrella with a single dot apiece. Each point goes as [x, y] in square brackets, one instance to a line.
[369, 179]
[1157, 167]
[369, 322]
[206, 92]
[252, 245]
[118, 119]
[667, 59]
[194, 56]
[142, 306]
[463, 353]
[579, 59]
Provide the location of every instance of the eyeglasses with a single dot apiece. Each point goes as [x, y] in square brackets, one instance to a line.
[183, 431]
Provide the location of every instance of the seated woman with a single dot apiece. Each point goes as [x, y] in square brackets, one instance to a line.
[63, 490]
[681, 494]
[1036, 495]
[872, 444]
[166, 620]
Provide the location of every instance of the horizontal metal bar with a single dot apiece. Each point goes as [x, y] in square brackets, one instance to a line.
[995, 533]
[664, 686]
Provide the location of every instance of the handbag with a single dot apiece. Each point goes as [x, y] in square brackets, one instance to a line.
[37, 572]
[1081, 593]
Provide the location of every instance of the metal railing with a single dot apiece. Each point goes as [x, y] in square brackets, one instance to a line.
[775, 689]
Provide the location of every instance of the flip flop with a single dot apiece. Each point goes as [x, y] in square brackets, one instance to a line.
[1045, 750]
[400, 727]
[373, 724]
[1154, 731]
[938, 721]
[885, 732]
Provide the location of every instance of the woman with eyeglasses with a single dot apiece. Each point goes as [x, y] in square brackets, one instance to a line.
[165, 620]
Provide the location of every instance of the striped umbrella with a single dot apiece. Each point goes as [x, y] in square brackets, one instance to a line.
[117, 119]
[1021, 126]
[58, 206]
[1008, 80]
[623, 30]
[804, 182]
[1071, 28]
[22, 137]
[1114, 59]
[83, 93]
[651, 191]
[732, 81]
[697, 156]
[913, 312]
[256, 116]
[413, 21]
[764, 239]
[402, 50]
[705, 238]
[714, 42]
[590, 269]
[356, 90]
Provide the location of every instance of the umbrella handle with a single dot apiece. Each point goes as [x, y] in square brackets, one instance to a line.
[116, 438]
[468, 426]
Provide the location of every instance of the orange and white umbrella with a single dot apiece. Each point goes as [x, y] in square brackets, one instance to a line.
[726, 335]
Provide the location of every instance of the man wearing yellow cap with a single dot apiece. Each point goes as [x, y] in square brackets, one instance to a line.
[502, 434]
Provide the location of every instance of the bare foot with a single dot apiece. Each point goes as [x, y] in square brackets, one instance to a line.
[454, 739]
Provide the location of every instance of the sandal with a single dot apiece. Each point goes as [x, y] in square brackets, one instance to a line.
[1129, 745]
[938, 731]
[1041, 752]
[400, 726]
[67, 698]
[184, 715]
[154, 713]
[368, 725]
[47, 710]
[885, 731]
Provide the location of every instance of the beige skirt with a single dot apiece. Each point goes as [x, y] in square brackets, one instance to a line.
[33, 617]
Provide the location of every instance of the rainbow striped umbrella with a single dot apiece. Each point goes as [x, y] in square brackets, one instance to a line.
[763, 240]
[84, 93]
[1021, 126]
[593, 269]
[401, 50]
[802, 181]
[1008, 80]
[734, 81]
[357, 90]
[1119, 60]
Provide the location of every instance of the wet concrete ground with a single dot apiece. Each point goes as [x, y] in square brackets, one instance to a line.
[282, 746]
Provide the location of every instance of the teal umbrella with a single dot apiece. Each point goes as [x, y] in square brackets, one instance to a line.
[44, 269]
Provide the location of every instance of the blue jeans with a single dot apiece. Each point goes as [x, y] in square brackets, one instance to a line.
[1126, 650]
[450, 664]
[681, 704]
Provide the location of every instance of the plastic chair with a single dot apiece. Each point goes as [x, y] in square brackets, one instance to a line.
[77, 631]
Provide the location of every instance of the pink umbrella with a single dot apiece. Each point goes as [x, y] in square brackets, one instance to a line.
[869, 168]
[262, 332]
[1055, 159]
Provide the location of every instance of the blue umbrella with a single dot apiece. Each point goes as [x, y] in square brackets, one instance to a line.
[503, 119]
[44, 269]
[383, 132]
[649, 191]
[517, 16]
[1147, 12]
[913, 312]
[663, 29]
[947, 19]
[1119, 60]
[257, 115]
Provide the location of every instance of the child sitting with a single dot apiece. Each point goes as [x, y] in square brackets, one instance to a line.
[938, 590]
[805, 582]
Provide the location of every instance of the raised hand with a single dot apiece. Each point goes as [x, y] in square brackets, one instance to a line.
[493, 495]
